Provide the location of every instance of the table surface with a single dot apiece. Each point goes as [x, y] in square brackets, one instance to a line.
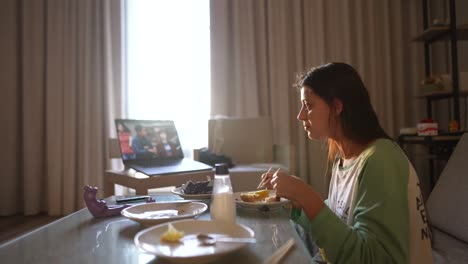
[80, 238]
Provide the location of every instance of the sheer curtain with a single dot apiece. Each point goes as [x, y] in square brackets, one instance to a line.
[61, 90]
[259, 46]
[168, 65]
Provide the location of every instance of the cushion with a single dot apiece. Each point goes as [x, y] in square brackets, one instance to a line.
[447, 208]
[447, 249]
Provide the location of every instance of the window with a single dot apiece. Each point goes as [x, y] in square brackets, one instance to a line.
[168, 65]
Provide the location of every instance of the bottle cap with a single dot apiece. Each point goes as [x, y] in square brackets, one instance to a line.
[221, 169]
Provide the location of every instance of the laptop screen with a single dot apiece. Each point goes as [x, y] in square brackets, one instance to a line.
[144, 139]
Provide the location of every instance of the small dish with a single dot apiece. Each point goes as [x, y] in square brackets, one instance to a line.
[190, 250]
[260, 205]
[156, 213]
[203, 196]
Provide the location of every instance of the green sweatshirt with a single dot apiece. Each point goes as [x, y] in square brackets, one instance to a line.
[374, 213]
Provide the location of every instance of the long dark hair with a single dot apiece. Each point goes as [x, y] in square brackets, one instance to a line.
[341, 81]
[125, 128]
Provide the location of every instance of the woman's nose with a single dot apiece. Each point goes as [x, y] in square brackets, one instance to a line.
[300, 116]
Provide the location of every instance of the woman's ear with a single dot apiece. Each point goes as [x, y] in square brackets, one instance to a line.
[338, 106]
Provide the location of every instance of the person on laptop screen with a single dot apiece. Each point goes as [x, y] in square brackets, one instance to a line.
[165, 148]
[125, 138]
[141, 145]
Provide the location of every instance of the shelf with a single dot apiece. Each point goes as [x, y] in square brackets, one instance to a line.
[442, 32]
[421, 139]
[441, 95]
[440, 147]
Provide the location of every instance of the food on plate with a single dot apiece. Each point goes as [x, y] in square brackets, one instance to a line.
[201, 187]
[256, 196]
[271, 199]
[172, 235]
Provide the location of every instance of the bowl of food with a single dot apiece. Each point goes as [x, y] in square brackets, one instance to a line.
[195, 190]
[260, 199]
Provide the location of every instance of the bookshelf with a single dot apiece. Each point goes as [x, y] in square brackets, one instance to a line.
[440, 147]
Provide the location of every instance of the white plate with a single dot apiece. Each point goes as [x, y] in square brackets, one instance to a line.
[156, 213]
[189, 250]
[178, 191]
[260, 205]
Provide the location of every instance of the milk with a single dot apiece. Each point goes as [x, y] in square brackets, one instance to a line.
[223, 207]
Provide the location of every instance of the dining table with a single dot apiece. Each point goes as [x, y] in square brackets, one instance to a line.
[82, 238]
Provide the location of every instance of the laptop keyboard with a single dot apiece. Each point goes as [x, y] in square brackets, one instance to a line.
[156, 163]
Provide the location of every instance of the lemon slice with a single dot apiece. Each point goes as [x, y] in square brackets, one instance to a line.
[172, 235]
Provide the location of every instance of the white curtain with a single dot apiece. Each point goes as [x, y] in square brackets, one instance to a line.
[61, 89]
[259, 46]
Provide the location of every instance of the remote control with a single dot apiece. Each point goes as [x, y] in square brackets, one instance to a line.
[131, 199]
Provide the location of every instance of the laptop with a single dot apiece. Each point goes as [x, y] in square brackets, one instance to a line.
[153, 147]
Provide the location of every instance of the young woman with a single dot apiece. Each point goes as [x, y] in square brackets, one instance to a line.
[374, 212]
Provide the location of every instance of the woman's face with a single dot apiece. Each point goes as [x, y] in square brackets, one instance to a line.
[163, 136]
[314, 115]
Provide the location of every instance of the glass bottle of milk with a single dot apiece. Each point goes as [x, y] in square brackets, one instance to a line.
[223, 207]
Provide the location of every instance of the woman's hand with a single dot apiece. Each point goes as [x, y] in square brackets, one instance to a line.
[266, 180]
[298, 192]
[287, 186]
[266, 183]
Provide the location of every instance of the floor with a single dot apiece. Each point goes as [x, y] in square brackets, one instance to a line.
[14, 226]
